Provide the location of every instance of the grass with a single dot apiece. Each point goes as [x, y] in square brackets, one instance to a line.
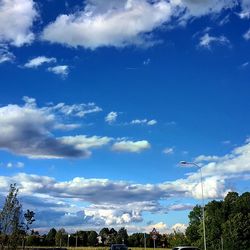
[98, 248]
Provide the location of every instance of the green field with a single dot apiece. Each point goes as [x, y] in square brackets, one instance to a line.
[100, 248]
[107, 248]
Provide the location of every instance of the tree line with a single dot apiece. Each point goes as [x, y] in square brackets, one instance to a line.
[227, 223]
[227, 228]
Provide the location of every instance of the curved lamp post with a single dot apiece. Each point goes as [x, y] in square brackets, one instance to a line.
[185, 163]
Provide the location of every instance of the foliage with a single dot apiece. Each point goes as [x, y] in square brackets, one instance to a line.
[10, 219]
[227, 223]
[50, 237]
[177, 239]
[61, 238]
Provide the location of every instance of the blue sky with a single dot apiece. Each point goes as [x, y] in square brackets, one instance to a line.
[100, 101]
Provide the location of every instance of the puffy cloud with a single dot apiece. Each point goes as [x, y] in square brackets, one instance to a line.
[111, 117]
[16, 20]
[126, 22]
[117, 24]
[107, 202]
[38, 61]
[27, 130]
[62, 70]
[206, 41]
[131, 146]
[161, 227]
[179, 227]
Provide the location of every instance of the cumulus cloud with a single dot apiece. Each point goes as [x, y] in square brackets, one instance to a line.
[117, 24]
[111, 117]
[179, 227]
[112, 202]
[144, 122]
[16, 20]
[6, 55]
[126, 22]
[206, 41]
[62, 70]
[131, 146]
[38, 61]
[27, 130]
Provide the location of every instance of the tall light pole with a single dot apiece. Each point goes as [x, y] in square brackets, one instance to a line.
[185, 163]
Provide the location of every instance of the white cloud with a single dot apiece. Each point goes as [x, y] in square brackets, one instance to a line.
[131, 146]
[161, 227]
[152, 122]
[247, 35]
[180, 207]
[62, 70]
[197, 8]
[144, 122]
[245, 9]
[38, 61]
[126, 22]
[75, 110]
[27, 130]
[84, 142]
[122, 202]
[6, 55]
[168, 151]
[111, 117]
[204, 158]
[206, 41]
[16, 20]
[12, 164]
[179, 227]
[118, 23]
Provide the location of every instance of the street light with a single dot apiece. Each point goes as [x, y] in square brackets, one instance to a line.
[185, 163]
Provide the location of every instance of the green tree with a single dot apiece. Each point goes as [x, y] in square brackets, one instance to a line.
[177, 239]
[104, 233]
[193, 231]
[122, 236]
[82, 238]
[33, 240]
[50, 237]
[112, 236]
[236, 232]
[214, 220]
[10, 219]
[61, 237]
[92, 238]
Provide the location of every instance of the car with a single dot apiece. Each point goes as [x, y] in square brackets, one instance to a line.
[185, 248]
[118, 247]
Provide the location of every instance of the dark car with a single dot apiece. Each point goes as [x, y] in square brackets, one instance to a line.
[118, 247]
